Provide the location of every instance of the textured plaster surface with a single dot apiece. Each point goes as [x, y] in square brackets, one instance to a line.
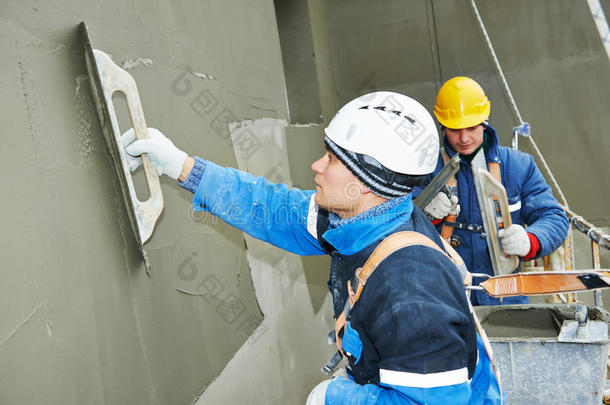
[82, 322]
[288, 342]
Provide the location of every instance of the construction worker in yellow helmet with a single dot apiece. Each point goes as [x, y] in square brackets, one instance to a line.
[462, 110]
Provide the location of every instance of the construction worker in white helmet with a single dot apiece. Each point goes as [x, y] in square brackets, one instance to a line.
[409, 335]
[463, 110]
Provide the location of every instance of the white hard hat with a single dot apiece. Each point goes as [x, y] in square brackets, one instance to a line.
[390, 127]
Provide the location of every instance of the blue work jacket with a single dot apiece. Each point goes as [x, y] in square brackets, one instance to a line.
[411, 337]
[531, 203]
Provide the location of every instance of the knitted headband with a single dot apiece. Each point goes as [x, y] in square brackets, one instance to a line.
[382, 181]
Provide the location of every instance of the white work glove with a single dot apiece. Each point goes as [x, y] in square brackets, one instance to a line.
[164, 155]
[318, 394]
[514, 240]
[440, 206]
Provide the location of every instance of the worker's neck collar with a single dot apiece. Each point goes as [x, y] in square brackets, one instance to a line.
[351, 235]
[336, 221]
[484, 146]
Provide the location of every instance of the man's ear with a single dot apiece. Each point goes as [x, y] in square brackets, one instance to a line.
[364, 189]
[371, 196]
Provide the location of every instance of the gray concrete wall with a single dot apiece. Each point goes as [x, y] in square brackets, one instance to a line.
[220, 314]
[81, 320]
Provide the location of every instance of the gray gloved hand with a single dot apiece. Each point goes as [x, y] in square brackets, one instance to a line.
[317, 396]
[514, 240]
[165, 156]
[440, 206]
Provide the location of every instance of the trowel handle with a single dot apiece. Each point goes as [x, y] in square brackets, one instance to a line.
[139, 126]
[506, 220]
[494, 188]
[504, 210]
[152, 207]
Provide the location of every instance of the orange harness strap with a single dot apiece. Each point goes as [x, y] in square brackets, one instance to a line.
[447, 230]
[546, 282]
[388, 246]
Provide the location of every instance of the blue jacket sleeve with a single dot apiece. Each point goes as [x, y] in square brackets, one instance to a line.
[540, 210]
[484, 389]
[270, 212]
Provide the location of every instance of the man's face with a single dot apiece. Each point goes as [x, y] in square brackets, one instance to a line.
[337, 189]
[467, 140]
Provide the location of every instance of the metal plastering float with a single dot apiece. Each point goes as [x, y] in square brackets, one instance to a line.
[106, 79]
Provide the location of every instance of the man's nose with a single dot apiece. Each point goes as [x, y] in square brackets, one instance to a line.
[317, 165]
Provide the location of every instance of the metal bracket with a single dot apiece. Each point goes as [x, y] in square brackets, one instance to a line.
[584, 332]
[522, 130]
[106, 78]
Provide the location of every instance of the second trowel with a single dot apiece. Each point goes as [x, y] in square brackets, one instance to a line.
[106, 79]
[492, 199]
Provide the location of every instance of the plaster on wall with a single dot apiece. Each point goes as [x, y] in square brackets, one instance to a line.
[83, 321]
[283, 295]
[132, 63]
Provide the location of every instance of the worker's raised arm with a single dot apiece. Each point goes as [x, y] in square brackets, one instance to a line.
[273, 213]
[270, 212]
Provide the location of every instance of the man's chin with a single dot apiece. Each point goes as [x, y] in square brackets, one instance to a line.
[466, 152]
[321, 202]
[317, 199]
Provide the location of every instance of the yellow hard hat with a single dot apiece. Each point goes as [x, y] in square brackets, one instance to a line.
[461, 103]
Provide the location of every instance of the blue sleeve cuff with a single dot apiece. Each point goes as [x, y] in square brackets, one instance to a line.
[337, 390]
[194, 178]
[343, 391]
